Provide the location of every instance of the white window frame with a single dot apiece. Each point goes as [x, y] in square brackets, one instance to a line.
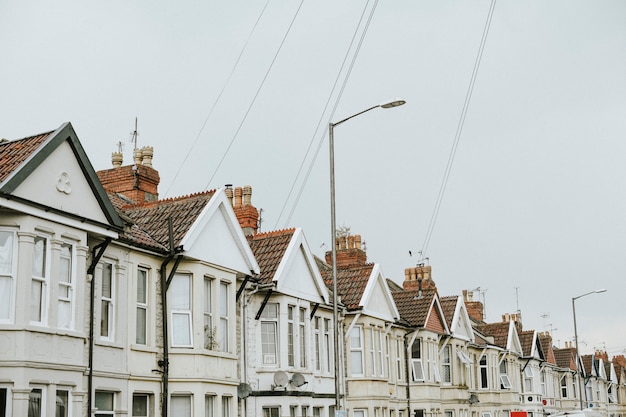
[302, 339]
[505, 381]
[379, 352]
[317, 342]
[40, 278]
[446, 364]
[210, 336]
[42, 400]
[67, 279]
[357, 367]
[142, 306]
[224, 313]
[372, 350]
[271, 411]
[189, 403]
[564, 386]
[147, 399]
[226, 404]
[542, 381]
[387, 353]
[8, 268]
[328, 337]
[417, 365]
[528, 379]
[483, 372]
[108, 303]
[433, 363]
[399, 367]
[181, 309]
[270, 349]
[68, 402]
[7, 398]
[105, 413]
[209, 405]
[291, 335]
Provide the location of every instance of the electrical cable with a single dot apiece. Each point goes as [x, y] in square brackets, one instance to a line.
[343, 86]
[459, 130]
[219, 96]
[319, 123]
[256, 95]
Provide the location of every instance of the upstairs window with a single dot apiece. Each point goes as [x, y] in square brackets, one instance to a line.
[356, 351]
[105, 404]
[180, 310]
[564, 386]
[291, 355]
[505, 382]
[328, 357]
[224, 330]
[317, 342]
[399, 355]
[141, 321]
[210, 338]
[107, 302]
[416, 360]
[39, 281]
[446, 365]
[36, 403]
[528, 379]
[483, 372]
[7, 275]
[269, 334]
[62, 408]
[302, 336]
[66, 287]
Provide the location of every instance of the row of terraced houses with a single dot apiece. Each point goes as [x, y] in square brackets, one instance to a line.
[116, 303]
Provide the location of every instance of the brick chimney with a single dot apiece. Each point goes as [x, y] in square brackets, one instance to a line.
[349, 252]
[418, 278]
[475, 309]
[138, 182]
[246, 213]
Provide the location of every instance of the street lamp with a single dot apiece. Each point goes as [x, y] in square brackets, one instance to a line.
[333, 229]
[580, 388]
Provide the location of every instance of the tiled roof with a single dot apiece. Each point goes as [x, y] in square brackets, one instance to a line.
[587, 361]
[499, 332]
[269, 249]
[546, 346]
[526, 339]
[565, 358]
[13, 153]
[152, 218]
[351, 283]
[448, 305]
[412, 308]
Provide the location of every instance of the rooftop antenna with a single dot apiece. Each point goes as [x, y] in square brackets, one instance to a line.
[133, 135]
[120, 147]
[260, 220]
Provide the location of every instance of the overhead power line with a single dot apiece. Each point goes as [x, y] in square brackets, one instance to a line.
[256, 95]
[219, 96]
[322, 119]
[459, 130]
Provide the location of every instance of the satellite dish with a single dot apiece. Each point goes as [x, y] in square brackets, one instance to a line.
[298, 380]
[280, 379]
[243, 390]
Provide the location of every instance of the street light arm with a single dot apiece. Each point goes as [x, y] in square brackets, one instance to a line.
[354, 115]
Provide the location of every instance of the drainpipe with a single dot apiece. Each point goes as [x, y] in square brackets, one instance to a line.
[96, 254]
[165, 283]
[407, 375]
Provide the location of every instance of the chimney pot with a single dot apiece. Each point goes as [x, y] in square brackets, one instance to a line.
[147, 154]
[117, 158]
[238, 194]
[229, 193]
[247, 195]
[351, 242]
[357, 241]
[137, 156]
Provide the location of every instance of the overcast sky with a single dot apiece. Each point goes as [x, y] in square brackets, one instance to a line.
[534, 209]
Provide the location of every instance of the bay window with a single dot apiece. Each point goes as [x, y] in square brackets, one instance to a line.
[7, 274]
[65, 307]
[180, 310]
[269, 334]
[141, 320]
[39, 281]
[356, 351]
[224, 316]
[107, 302]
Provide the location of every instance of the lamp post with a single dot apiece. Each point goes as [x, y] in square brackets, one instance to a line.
[580, 388]
[333, 237]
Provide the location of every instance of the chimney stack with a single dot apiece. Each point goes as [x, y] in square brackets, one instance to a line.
[475, 309]
[349, 252]
[418, 278]
[246, 213]
[138, 182]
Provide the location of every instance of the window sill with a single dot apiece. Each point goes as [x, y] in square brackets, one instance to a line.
[143, 348]
[108, 343]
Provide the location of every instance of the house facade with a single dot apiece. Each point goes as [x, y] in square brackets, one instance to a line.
[114, 302]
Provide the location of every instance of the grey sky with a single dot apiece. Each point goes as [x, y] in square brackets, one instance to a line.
[535, 201]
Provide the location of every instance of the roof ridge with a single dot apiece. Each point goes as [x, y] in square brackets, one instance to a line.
[149, 204]
[31, 136]
[273, 233]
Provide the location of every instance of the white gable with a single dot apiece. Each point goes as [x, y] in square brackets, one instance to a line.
[513, 344]
[377, 300]
[216, 237]
[461, 326]
[59, 182]
[297, 274]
